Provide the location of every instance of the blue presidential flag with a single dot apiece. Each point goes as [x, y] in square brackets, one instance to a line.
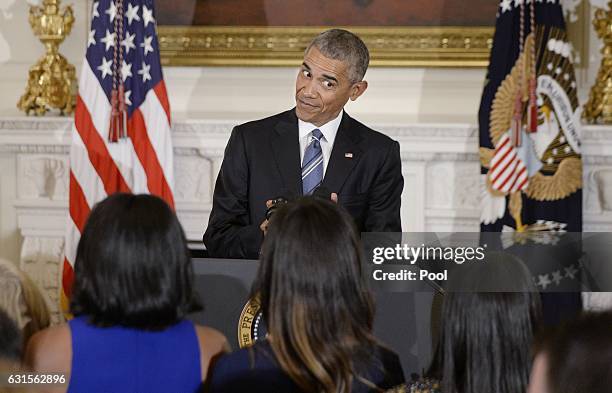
[530, 152]
[529, 120]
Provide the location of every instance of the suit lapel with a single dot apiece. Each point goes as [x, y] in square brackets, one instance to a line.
[344, 156]
[286, 148]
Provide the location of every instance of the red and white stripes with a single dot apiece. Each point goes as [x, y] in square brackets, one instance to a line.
[508, 172]
[141, 163]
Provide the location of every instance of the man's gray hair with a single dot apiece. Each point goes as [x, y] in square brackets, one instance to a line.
[345, 46]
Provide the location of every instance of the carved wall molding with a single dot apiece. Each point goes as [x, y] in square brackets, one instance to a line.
[222, 127]
[34, 149]
[192, 179]
[455, 131]
[465, 183]
[36, 123]
[598, 185]
[437, 156]
[41, 259]
[213, 153]
[187, 151]
[597, 160]
[42, 176]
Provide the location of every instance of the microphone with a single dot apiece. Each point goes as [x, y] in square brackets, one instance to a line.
[276, 203]
[320, 192]
[285, 197]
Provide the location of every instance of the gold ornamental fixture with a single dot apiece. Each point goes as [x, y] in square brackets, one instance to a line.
[599, 107]
[52, 80]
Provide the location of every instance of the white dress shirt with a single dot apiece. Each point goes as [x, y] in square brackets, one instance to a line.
[329, 131]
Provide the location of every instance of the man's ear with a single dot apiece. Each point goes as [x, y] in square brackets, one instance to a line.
[358, 89]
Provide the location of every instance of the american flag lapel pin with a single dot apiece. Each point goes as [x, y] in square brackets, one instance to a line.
[348, 155]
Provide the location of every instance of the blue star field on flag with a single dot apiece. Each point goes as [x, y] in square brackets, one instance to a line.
[140, 69]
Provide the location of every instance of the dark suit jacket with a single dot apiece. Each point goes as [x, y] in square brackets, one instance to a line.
[262, 162]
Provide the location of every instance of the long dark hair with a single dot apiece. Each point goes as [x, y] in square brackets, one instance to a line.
[133, 266]
[317, 308]
[485, 337]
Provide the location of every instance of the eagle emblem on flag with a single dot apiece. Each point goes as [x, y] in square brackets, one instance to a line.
[546, 164]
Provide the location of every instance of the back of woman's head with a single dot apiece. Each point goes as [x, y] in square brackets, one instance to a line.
[486, 335]
[577, 356]
[132, 266]
[318, 311]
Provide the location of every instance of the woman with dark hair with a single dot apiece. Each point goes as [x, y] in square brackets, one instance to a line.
[317, 309]
[490, 313]
[575, 357]
[133, 288]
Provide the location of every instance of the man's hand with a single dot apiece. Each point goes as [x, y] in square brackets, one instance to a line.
[264, 224]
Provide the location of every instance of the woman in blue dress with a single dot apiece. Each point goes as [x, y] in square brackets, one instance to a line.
[133, 288]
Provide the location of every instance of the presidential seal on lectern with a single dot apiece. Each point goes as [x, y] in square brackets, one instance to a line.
[251, 325]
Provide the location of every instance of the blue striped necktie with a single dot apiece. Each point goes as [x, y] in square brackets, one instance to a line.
[312, 166]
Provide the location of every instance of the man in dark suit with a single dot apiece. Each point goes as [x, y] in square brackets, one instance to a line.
[316, 144]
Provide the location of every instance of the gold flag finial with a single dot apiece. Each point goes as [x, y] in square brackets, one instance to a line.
[52, 80]
[598, 108]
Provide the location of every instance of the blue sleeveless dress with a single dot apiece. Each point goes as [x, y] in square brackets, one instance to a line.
[127, 360]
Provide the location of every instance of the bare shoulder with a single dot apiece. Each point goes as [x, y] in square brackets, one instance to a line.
[50, 350]
[211, 341]
[212, 344]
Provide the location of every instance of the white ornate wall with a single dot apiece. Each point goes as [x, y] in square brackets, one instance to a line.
[439, 163]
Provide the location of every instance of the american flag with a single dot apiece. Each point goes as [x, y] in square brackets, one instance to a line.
[140, 163]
